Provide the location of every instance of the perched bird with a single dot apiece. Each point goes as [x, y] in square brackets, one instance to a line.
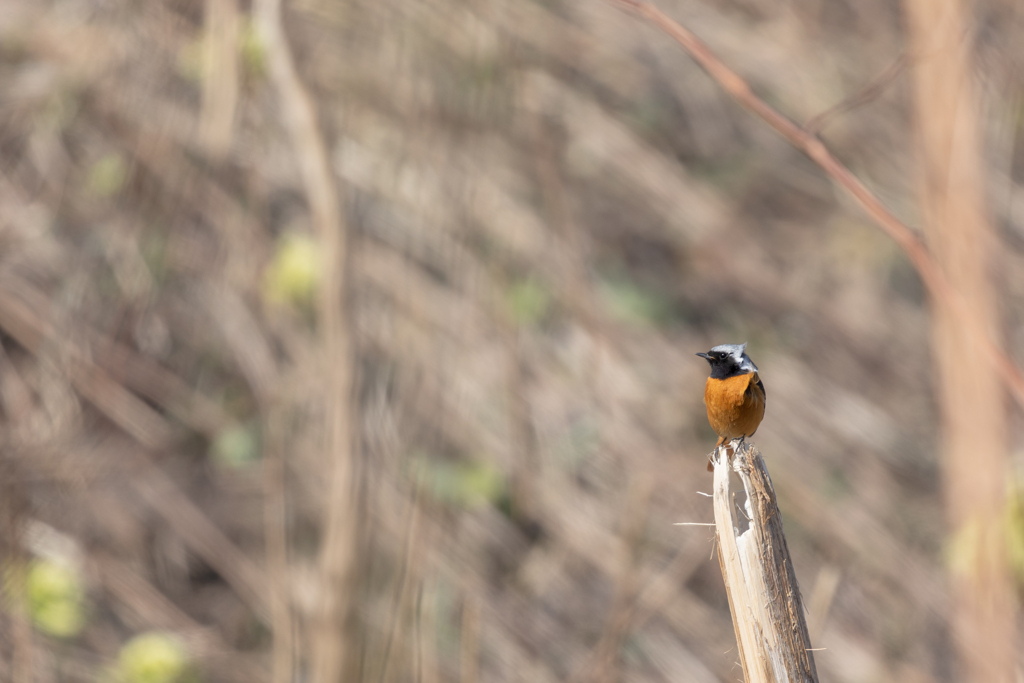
[734, 394]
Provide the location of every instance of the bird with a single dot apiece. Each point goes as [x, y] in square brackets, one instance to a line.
[734, 394]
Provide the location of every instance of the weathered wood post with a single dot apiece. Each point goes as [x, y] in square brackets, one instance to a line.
[767, 611]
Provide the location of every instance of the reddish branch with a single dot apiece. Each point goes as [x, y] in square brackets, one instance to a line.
[805, 140]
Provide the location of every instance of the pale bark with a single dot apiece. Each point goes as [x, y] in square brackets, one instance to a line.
[971, 394]
[329, 632]
[767, 610]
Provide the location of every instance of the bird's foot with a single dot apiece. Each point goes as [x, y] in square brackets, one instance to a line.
[721, 450]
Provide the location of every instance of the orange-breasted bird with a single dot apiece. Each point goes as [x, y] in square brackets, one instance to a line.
[734, 394]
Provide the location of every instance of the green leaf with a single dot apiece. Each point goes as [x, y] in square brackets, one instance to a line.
[632, 304]
[294, 274]
[462, 484]
[976, 547]
[235, 446]
[253, 53]
[481, 484]
[528, 301]
[153, 657]
[108, 175]
[56, 601]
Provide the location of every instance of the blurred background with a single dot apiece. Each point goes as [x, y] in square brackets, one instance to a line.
[447, 412]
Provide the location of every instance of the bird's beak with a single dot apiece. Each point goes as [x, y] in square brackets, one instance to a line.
[706, 356]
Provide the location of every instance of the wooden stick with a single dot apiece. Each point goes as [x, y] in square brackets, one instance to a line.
[767, 611]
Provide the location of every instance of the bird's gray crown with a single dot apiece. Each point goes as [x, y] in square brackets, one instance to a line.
[738, 352]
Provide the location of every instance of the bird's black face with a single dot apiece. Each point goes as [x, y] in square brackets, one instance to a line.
[722, 364]
[728, 362]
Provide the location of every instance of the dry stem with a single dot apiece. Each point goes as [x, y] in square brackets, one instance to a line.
[764, 598]
[330, 633]
[932, 276]
[951, 179]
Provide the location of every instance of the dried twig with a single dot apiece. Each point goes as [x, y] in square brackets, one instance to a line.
[932, 276]
[603, 663]
[16, 604]
[122, 407]
[153, 432]
[144, 606]
[256, 363]
[469, 659]
[866, 94]
[411, 556]
[330, 632]
[220, 77]
[203, 536]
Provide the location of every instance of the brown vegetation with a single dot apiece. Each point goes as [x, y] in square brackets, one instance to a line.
[540, 211]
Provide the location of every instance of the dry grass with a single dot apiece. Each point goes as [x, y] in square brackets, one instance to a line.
[548, 210]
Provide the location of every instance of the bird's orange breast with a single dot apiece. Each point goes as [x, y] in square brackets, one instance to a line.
[735, 405]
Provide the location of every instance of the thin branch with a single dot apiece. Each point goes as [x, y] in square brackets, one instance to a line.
[406, 578]
[220, 76]
[150, 430]
[932, 276]
[146, 607]
[252, 353]
[330, 632]
[867, 94]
